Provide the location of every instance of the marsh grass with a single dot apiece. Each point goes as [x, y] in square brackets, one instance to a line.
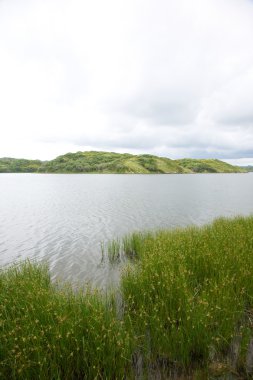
[185, 296]
[129, 247]
[54, 333]
[190, 290]
[132, 244]
[114, 251]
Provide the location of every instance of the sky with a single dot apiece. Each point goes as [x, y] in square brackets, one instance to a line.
[167, 77]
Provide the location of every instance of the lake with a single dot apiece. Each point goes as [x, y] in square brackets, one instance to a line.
[63, 219]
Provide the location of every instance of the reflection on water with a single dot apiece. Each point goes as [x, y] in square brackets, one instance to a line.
[64, 218]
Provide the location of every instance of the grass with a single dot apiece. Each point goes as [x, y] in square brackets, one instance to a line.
[128, 247]
[191, 290]
[114, 251]
[186, 296]
[50, 333]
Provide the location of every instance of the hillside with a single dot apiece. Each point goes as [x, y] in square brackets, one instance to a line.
[15, 165]
[107, 162]
[248, 168]
[208, 166]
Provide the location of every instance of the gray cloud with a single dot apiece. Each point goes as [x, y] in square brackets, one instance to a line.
[162, 77]
[160, 110]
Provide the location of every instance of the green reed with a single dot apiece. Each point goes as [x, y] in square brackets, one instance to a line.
[185, 297]
[188, 294]
[113, 250]
[53, 333]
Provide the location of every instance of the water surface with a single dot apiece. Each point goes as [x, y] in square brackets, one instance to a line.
[64, 218]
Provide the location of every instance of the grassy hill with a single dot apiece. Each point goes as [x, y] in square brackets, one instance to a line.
[208, 166]
[15, 165]
[248, 168]
[108, 162]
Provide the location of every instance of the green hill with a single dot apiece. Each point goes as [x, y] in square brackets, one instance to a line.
[15, 165]
[208, 166]
[248, 168]
[108, 162]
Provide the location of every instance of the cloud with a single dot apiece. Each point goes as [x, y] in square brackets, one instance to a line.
[232, 103]
[166, 77]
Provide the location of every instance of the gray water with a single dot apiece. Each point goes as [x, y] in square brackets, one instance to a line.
[63, 219]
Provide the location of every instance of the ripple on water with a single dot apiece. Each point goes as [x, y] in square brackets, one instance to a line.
[63, 219]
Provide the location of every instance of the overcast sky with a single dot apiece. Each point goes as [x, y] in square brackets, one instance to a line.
[166, 77]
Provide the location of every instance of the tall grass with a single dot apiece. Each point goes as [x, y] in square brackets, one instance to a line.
[186, 297]
[50, 333]
[128, 247]
[191, 290]
[114, 251]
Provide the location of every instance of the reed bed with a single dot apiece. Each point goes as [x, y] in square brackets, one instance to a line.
[191, 293]
[50, 332]
[186, 297]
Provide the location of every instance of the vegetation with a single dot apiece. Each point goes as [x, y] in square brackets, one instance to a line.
[190, 294]
[14, 165]
[208, 166]
[106, 162]
[248, 168]
[185, 303]
[50, 333]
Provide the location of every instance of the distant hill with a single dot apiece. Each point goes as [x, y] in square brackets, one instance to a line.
[248, 168]
[15, 165]
[106, 162]
[208, 166]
